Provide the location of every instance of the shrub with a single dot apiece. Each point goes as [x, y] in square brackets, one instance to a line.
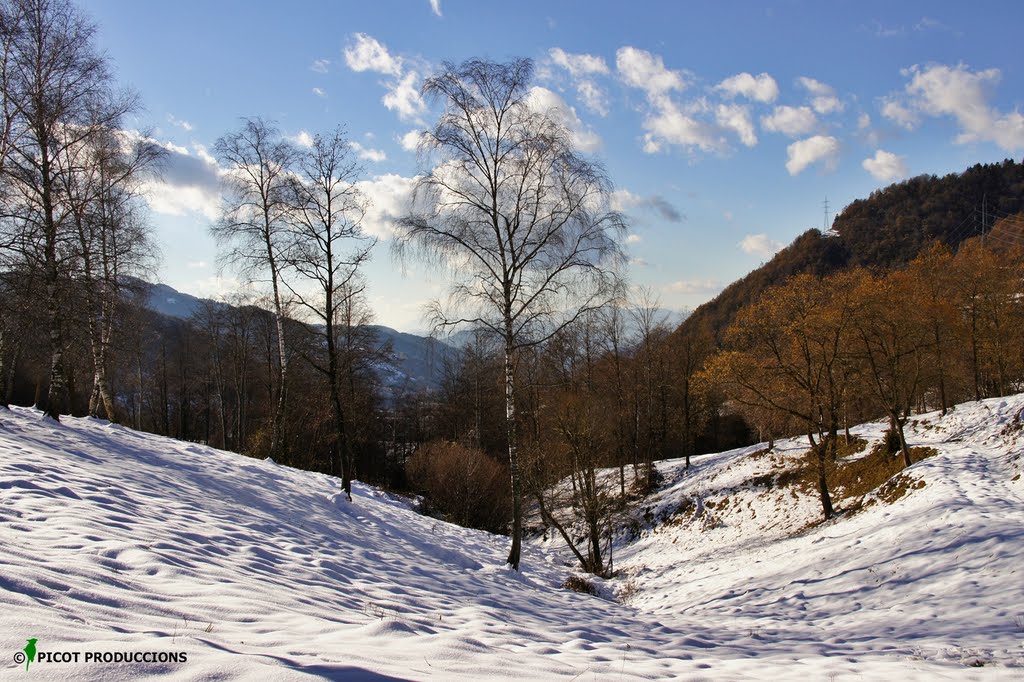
[579, 584]
[463, 485]
[890, 444]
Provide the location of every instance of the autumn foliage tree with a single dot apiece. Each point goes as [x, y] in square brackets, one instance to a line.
[942, 329]
[784, 355]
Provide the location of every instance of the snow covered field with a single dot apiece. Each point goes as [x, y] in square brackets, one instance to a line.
[116, 541]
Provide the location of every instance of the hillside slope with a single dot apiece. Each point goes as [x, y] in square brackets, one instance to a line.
[886, 230]
[935, 575]
[117, 541]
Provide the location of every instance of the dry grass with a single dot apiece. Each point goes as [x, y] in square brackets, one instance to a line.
[578, 583]
[849, 478]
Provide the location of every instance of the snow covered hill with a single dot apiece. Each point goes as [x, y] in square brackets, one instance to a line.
[121, 544]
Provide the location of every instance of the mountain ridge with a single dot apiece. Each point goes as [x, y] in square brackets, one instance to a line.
[417, 359]
[887, 229]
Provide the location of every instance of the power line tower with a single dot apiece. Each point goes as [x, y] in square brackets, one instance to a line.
[826, 226]
[984, 215]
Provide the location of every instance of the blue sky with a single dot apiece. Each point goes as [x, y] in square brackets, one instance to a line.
[723, 125]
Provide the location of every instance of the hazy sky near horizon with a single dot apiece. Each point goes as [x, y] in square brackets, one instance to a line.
[723, 125]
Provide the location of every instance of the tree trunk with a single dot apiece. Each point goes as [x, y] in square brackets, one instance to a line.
[3, 368]
[515, 552]
[904, 450]
[826, 500]
[278, 436]
[141, 387]
[597, 564]
[103, 395]
[341, 449]
[57, 392]
[8, 395]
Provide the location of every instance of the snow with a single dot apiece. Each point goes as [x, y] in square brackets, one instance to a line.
[113, 540]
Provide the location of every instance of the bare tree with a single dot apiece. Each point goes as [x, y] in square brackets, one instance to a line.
[253, 229]
[518, 217]
[100, 186]
[326, 249]
[58, 92]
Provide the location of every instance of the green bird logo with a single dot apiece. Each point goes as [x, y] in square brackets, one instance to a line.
[30, 651]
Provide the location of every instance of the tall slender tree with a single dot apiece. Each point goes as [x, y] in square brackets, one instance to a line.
[101, 188]
[253, 229]
[327, 246]
[518, 217]
[58, 95]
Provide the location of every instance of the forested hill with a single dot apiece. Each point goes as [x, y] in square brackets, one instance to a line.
[887, 229]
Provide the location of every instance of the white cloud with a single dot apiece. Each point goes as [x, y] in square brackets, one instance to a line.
[390, 198]
[863, 122]
[411, 140]
[900, 114]
[544, 100]
[697, 125]
[197, 265]
[696, 286]
[367, 54]
[320, 65]
[182, 200]
[940, 90]
[818, 149]
[886, 166]
[646, 71]
[319, 92]
[736, 117]
[760, 245]
[593, 97]
[404, 97]
[633, 239]
[673, 125]
[761, 88]
[435, 7]
[301, 139]
[790, 121]
[204, 155]
[188, 185]
[581, 68]
[823, 97]
[184, 125]
[578, 65]
[929, 24]
[367, 154]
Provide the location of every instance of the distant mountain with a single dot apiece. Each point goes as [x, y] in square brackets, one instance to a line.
[886, 230]
[661, 316]
[169, 301]
[418, 360]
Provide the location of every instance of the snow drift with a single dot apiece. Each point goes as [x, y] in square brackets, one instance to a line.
[117, 541]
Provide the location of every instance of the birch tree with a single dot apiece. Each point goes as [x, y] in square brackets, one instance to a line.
[326, 249]
[100, 185]
[58, 92]
[516, 215]
[253, 228]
